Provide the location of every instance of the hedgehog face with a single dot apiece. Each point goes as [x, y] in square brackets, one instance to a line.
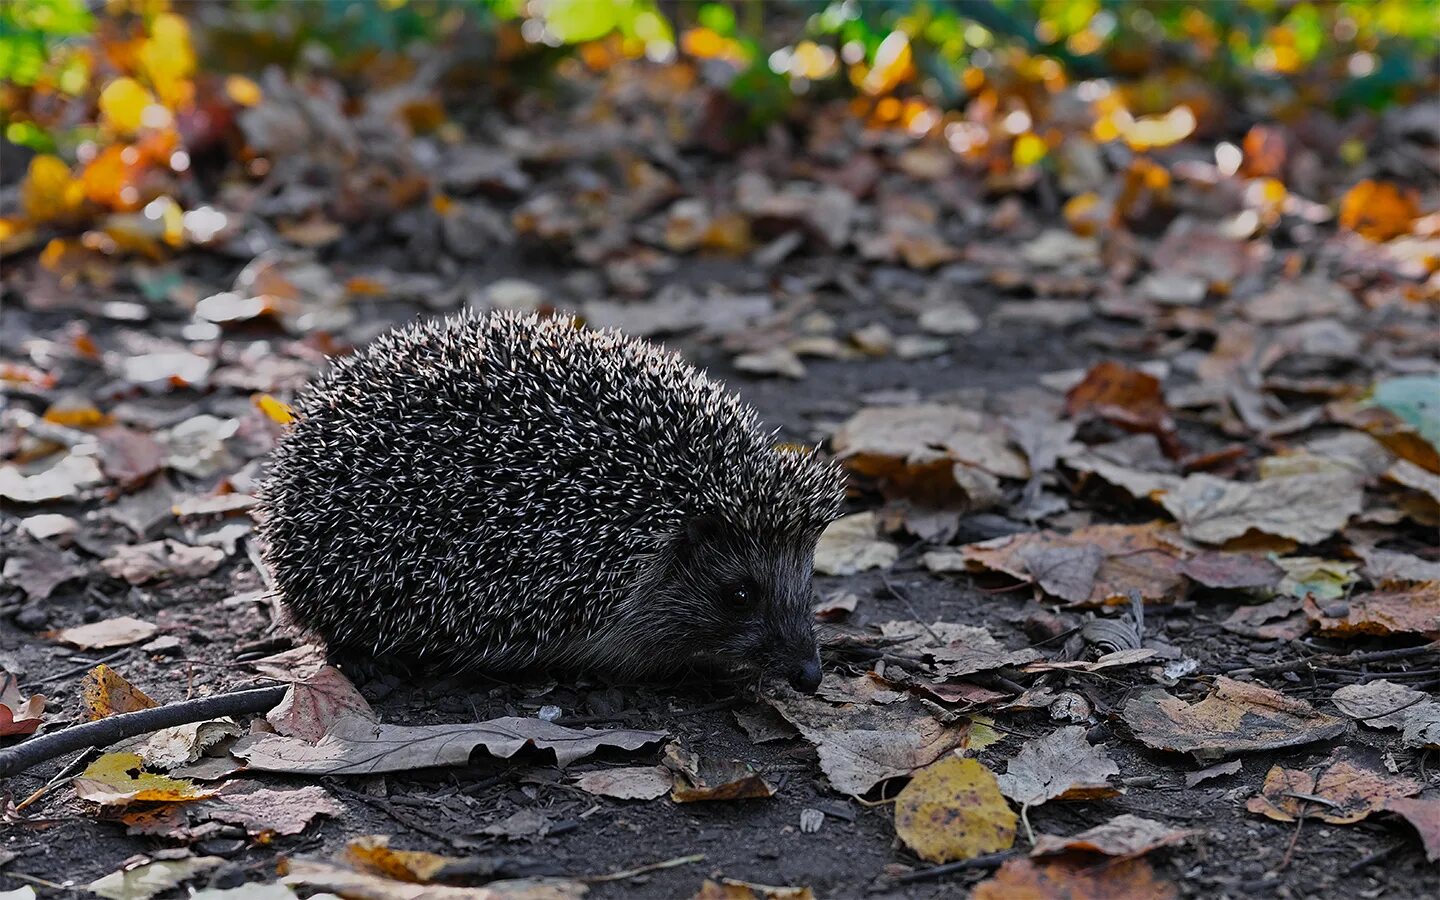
[744, 601]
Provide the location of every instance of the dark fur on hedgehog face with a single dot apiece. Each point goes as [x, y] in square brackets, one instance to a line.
[743, 601]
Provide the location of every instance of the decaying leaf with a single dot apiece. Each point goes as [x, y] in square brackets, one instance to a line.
[105, 692]
[108, 633]
[1067, 879]
[953, 809]
[141, 563]
[116, 779]
[1236, 717]
[356, 745]
[1423, 813]
[264, 810]
[143, 881]
[1336, 791]
[321, 876]
[1127, 397]
[1381, 703]
[312, 706]
[1060, 765]
[1124, 836]
[730, 889]
[18, 715]
[627, 782]
[1232, 570]
[1412, 610]
[849, 545]
[708, 778]
[1305, 508]
[373, 853]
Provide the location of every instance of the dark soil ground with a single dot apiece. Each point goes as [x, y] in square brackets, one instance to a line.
[855, 852]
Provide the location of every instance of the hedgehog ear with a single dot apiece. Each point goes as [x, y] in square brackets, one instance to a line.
[701, 530]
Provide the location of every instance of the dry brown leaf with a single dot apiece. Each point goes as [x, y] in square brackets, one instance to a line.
[849, 545]
[140, 563]
[1136, 558]
[372, 853]
[356, 745]
[264, 810]
[729, 889]
[1380, 703]
[1232, 570]
[1124, 836]
[953, 809]
[1236, 717]
[312, 706]
[699, 778]
[1414, 610]
[627, 782]
[1064, 879]
[1125, 397]
[116, 632]
[1060, 765]
[1336, 791]
[331, 878]
[18, 715]
[1423, 813]
[1305, 508]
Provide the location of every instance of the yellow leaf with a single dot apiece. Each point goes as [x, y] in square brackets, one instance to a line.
[892, 67]
[104, 692]
[1378, 210]
[76, 415]
[242, 91]
[1029, 149]
[49, 191]
[123, 103]
[372, 853]
[277, 410]
[953, 809]
[116, 779]
[167, 59]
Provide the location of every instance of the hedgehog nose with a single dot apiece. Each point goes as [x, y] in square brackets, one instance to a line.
[806, 676]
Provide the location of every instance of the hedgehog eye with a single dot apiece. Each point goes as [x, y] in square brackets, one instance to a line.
[741, 598]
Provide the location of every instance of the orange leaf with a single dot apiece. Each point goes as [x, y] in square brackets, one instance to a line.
[1378, 210]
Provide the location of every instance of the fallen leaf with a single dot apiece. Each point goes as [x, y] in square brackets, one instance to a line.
[730, 889]
[141, 563]
[373, 853]
[960, 649]
[61, 480]
[313, 705]
[1216, 771]
[263, 810]
[18, 715]
[1066, 879]
[38, 568]
[1338, 792]
[105, 692]
[116, 632]
[849, 545]
[1422, 728]
[150, 878]
[356, 745]
[1413, 610]
[116, 779]
[1124, 836]
[1423, 813]
[1231, 570]
[1305, 508]
[627, 782]
[863, 745]
[1125, 397]
[1380, 703]
[1060, 765]
[348, 883]
[1379, 210]
[709, 778]
[1235, 718]
[953, 809]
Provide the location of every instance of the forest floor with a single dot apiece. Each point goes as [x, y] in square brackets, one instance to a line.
[1223, 411]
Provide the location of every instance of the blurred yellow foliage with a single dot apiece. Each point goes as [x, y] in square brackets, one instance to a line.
[50, 193]
[167, 60]
[123, 103]
[1378, 210]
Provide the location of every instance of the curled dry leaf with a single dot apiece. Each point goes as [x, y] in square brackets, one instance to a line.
[953, 809]
[700, 778]
[355, 745]
[1060, 765]
[1074, 879]
[116, 779]
[1337, 791]
[1123, 836]
[150, 878]
[105, 692]
[1236, 717]
[1125, 397]
[312, 706]
[18, 715]
[1423, 813]
[264, 810]
[117, 632]
[1381, 703]
[1414, 610]
[627, 782]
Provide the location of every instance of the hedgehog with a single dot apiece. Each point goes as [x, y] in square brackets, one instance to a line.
[501, 492]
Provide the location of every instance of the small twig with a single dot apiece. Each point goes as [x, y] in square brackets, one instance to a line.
[109, 730]
[1360, 865]
[1391, 712]
[389, 809]
[77, 765]
[641, 870]
[910, 607]
[1290, 850]
[988, 861]
[66, 673]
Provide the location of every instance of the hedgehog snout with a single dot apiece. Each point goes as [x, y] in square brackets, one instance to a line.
[805, 675]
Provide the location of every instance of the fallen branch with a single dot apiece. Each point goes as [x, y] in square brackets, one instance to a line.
[987, 861]
[103, 732]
